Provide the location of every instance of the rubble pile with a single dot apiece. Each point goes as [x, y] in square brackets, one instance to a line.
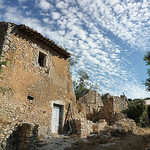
[126, 125]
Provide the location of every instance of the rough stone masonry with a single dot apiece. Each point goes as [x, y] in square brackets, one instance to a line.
[38, 75]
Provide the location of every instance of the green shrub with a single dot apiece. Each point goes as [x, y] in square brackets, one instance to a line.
[136, 111]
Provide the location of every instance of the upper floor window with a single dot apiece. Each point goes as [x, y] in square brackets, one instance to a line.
[42, 59]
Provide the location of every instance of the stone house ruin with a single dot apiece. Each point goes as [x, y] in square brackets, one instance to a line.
[103, 107]
[39, 90]
[38, 75]
[40, 87]
[92, 100]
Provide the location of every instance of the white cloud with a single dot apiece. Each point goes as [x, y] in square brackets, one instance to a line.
[12, 15]
[55, 15]
[118, 8]
[43, 4]
[135, 91]
[46, 20]
[62, 5]
[112, 2]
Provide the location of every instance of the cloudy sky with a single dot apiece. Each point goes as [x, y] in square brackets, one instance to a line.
[110, 37]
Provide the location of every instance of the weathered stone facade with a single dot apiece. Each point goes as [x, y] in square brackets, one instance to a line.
[92, 100]
[84, 126]
[38, 74]
[112, 106]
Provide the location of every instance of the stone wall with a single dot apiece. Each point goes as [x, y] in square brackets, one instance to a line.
[112, 106]
[92, 100]
[33, 88]
[22, 137]
[120, 103]
[84, 125]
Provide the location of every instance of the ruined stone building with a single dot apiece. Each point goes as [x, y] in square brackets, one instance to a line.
[38, 76]
[93, 101]
[113, 105]
[38, 91]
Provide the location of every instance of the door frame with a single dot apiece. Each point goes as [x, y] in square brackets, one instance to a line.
[61, 104]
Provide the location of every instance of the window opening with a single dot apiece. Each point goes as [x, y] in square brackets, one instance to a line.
[42, 59]
[30, 97]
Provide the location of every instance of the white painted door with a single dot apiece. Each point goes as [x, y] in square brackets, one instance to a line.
[55, 119]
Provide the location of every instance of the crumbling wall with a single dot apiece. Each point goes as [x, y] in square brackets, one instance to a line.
[14, 136]
[92, 100]
[91, 97]
[106, 113]
[86, 126]
[120, 103]
[112, 106]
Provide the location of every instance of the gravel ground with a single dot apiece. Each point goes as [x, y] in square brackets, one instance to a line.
[57, 143]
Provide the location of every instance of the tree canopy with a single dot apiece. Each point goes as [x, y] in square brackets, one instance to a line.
[80, 86]
[136, 111]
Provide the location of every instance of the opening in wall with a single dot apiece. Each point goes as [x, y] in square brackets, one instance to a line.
[42, 59]
[30, 97]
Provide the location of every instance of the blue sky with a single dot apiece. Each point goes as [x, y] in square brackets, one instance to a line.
[110, 37]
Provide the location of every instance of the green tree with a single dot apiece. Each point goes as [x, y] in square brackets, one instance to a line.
[80, 86]
[136, 111]
[147, 60]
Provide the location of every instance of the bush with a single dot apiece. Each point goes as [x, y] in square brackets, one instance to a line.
[136, 111]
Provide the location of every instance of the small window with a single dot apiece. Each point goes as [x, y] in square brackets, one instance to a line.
[30, 97]
[42, 59]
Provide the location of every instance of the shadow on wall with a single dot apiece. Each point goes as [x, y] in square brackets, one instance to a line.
[24, 137]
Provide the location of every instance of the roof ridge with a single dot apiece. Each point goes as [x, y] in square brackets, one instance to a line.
[42, 38]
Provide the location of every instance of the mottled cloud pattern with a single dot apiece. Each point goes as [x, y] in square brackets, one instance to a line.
[105, 34]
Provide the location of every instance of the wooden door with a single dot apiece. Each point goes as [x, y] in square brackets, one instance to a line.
[55, 119]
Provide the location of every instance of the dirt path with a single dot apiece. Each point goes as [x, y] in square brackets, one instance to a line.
[132, 142]
[59, 143]
[117, 141]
